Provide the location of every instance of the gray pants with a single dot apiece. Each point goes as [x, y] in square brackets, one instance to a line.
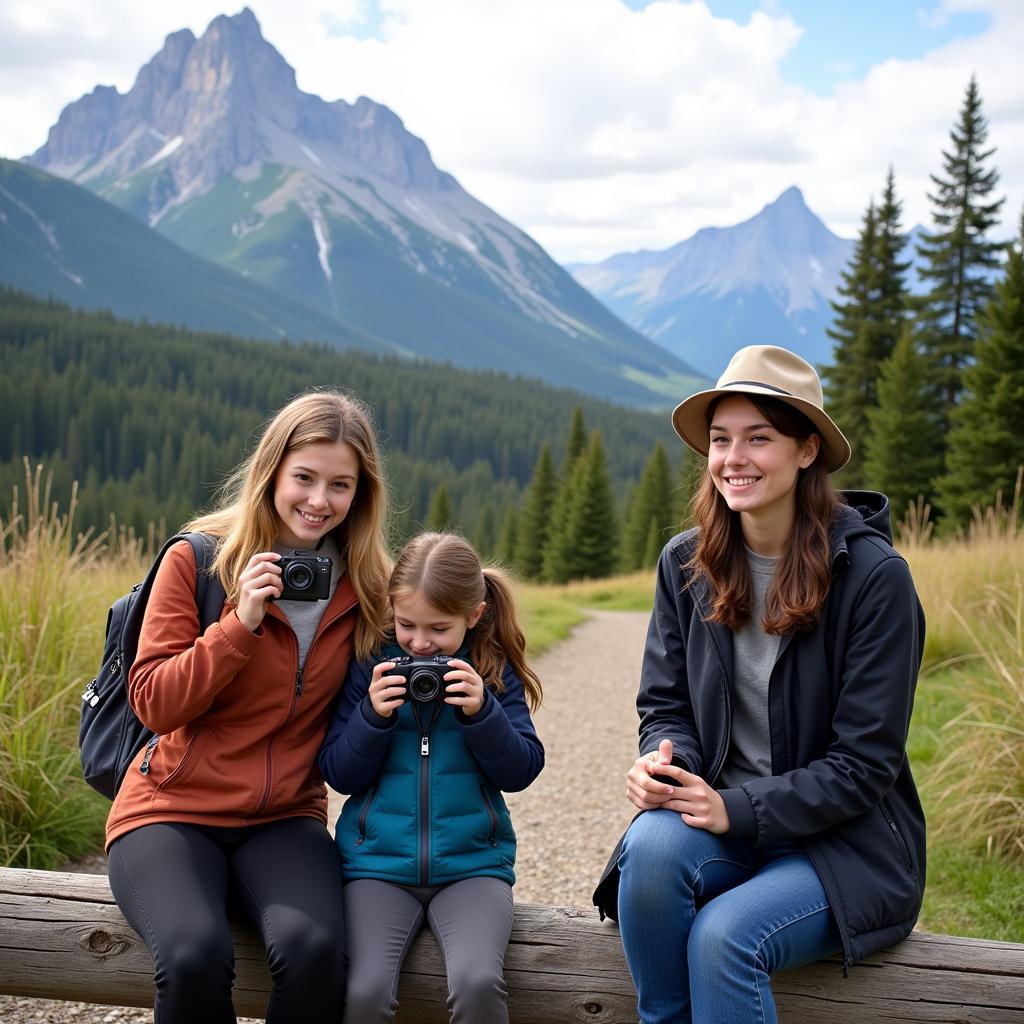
[471, 921]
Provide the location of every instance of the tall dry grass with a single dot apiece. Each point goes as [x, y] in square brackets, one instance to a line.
[55, 588]
[972, 587]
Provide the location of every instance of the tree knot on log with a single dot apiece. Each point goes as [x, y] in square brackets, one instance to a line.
[102, 943]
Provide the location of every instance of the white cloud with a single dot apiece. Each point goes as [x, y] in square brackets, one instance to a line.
[593, 127]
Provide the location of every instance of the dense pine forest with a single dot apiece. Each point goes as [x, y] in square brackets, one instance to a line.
[149, 419]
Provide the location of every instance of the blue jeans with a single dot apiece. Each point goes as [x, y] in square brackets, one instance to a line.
[706, 919]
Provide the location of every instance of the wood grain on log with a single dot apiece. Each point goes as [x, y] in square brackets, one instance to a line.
[62, 937]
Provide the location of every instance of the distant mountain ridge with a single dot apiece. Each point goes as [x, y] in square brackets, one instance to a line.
[769, 279]
[766, 280]
[338, 206]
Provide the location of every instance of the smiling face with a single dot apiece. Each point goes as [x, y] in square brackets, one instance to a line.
[313, 490]
[754, 466]
[423, 630]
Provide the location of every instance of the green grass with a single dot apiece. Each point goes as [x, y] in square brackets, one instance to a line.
[971, 894]
[54, 593]
[550, 611]
[972, 889]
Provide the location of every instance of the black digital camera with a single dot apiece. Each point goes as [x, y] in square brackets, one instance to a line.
[306, 577]
[424, 677]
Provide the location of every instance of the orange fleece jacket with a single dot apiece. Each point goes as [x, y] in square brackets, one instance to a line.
[239, 727]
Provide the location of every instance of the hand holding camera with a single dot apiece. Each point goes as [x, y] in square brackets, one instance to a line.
[426, 680]
[259, 583]
[387, 690]
[465, 688]
[302, 576]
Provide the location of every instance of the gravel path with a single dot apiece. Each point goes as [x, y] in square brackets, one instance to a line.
[567, 821]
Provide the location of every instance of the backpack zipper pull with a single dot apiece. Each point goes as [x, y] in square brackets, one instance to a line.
[144, 767]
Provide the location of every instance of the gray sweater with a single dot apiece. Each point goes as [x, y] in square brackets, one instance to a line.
[754, 653]
[305, 616]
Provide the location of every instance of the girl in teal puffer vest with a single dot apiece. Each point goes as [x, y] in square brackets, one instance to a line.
[426, 740]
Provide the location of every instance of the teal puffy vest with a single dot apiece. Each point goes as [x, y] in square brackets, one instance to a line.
[431, 816]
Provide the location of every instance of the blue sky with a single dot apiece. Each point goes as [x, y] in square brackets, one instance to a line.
[600, 126]
[843, 40]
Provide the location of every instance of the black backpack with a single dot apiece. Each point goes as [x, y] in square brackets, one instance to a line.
[110, 734]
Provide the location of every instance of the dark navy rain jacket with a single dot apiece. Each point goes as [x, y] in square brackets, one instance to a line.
[839, 704]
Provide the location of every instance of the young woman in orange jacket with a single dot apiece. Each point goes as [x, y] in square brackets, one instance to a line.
[225, 809]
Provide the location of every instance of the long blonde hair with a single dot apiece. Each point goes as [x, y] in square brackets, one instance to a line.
[246, 522]
[446, 571]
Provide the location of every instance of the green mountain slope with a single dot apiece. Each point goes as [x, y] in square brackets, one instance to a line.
[58, 239]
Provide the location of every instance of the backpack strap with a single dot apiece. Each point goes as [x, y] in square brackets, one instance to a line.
[209, 592]
[210, 596]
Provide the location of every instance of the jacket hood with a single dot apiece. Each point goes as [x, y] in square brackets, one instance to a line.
[865, 512]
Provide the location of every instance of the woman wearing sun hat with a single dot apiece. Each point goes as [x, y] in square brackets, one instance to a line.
[780, 823]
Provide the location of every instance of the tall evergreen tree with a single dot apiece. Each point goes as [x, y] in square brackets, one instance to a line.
[651, 505]
[576, 444]
[691, 472]
[553, 560]
[986, 444]
[652, 549]
[904, 443]
[440, 515]
[555, 564]
[505, 546]
[591, 536]
[484, 534]
[869, 319]
[958, 257]
[535, 518]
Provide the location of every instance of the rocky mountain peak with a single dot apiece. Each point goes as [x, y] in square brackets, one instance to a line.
[232, 55]
[204, 108]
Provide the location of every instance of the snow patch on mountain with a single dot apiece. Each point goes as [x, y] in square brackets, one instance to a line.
[323, 248]
[165, 152]
[312, 156]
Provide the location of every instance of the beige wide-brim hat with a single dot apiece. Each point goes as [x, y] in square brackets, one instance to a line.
[775, 373]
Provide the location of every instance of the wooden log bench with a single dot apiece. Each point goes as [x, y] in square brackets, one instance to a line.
[62, 937]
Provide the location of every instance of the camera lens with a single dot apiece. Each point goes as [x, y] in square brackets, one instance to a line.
[298, 576]
[424, 685]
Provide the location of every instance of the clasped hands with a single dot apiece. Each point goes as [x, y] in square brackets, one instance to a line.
[699, 804]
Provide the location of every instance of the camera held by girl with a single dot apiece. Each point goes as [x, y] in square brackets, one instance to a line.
[425, 836]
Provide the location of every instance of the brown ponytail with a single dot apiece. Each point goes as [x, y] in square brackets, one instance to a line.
[497, 638]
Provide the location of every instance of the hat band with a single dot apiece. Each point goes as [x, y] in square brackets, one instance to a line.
[758, 384]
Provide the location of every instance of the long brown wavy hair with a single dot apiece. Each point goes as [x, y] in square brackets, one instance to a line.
[246, 522]
[446, 571]
[801, 583]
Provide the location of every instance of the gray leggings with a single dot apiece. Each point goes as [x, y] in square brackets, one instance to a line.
[471, 921]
